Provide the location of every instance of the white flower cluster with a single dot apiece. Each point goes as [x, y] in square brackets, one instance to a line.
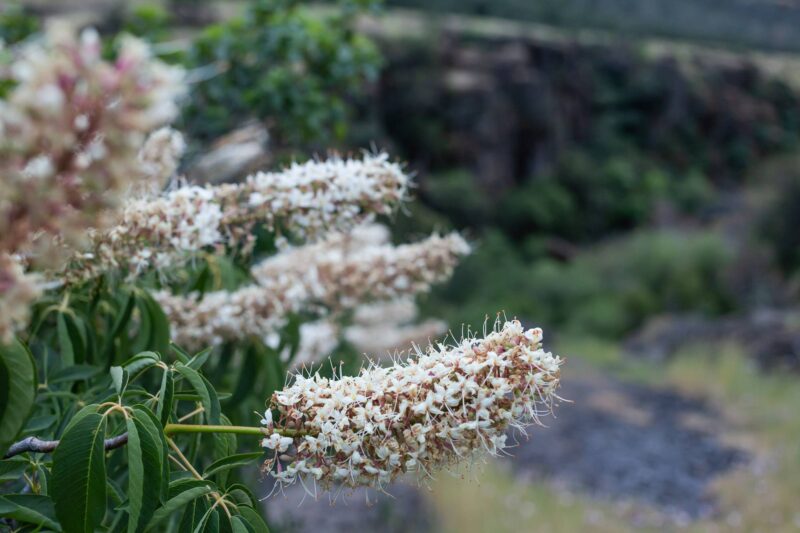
[385, 340]
[159, 158]
[17, 291]
[179, 223]
[70, 132]
[380, 329]
[427, 413]
[318, 196]
[303, 200]
[71, 127]
[339, 276]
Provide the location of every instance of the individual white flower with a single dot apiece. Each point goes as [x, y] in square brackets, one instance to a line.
[276, 442]
[267, 419]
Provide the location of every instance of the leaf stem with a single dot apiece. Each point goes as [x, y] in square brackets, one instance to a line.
[171, 429]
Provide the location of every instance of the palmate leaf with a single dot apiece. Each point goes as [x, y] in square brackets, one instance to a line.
[78, 481]
[17, 390]
[146, 456]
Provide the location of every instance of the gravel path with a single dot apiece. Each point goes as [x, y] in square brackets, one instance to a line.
[406, 510]
[620, 441]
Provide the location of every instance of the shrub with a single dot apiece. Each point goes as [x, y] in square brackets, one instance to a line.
[283, 64]
[607, 291]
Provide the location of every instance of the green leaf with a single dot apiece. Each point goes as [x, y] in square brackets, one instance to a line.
[120, 322]
[145, 460]
[119, 377]
[159, 340]
[253, 518]
[29, 508]
[241, 495]
[199, 359]
[12, 469]
[233, 461]
[225, 525]
[193, 515]
[66, 349]
[209, 522]
[191, 397]
[75, 373]
[78, 484]
[273, 371]
[178, 501]
[180, 353]
[144, 330]
[152, 424]
[17, 390]
[115, 492]
[208, 396]
[40, 423]
[225, 445]
[141, 361]
[240, 525]
[251, 367]
[166, 396]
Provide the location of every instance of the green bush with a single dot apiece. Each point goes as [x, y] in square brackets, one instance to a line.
[150, 21]
[584, 197]
[607, 291]
[284, 64]
[779, 217]
[16, 23]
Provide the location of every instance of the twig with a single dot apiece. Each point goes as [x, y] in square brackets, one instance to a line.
[32, 444]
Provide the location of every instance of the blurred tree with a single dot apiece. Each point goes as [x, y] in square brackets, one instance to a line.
[289, 66]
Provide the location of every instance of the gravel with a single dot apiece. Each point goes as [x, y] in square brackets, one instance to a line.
[619, 441]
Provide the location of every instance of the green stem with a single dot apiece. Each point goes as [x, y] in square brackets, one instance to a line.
[171, 429]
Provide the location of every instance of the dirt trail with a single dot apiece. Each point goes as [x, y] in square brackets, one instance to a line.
[620, 441]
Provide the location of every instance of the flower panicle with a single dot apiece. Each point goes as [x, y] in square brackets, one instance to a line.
[380, 329]
[304, 201]
[336, 276]
[71, 127]
[413, 417]
[18, 290]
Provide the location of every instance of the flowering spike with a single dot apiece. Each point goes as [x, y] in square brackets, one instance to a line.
[414, 417]
[304, 200]
[334, 277]
[70, 131]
